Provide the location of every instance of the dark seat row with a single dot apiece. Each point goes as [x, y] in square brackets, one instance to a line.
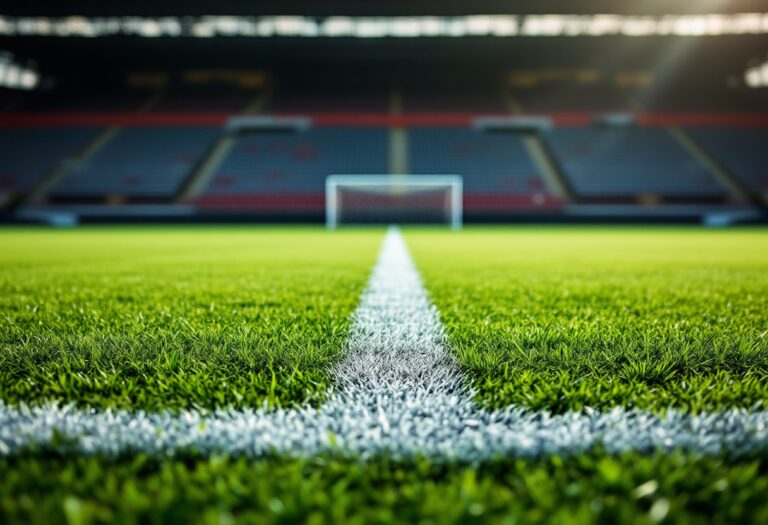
[596, 162]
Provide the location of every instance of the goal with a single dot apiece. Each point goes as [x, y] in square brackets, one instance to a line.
[393, 199]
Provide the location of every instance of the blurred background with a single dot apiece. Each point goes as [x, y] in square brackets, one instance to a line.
[199, 111]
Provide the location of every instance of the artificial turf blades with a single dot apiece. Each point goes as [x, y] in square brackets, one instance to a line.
[158, 318]
[563, 318]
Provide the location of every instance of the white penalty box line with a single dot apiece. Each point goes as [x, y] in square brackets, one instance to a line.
[398, 392]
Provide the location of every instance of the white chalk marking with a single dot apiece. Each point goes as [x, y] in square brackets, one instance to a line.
[398, 392]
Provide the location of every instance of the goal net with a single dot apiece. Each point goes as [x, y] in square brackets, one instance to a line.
[393, 199]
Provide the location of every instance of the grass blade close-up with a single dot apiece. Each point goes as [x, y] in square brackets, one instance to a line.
[565, 318]
[158, 319]
[189, 321]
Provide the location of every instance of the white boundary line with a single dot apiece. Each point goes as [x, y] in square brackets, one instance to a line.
[398, 392]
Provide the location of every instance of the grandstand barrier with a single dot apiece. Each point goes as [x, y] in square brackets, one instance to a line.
[513, 123]
[615, 120]
[268, 123]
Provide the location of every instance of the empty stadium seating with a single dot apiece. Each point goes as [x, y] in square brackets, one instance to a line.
[139, 162]
[85, 101]
[603, 97]
[279, 162]
[489, 162]
[601, 164]
[574, 99]
[624, 162]
[329, 100]
[231, 101]
[29, 154]
[481, 99]
[742, 151]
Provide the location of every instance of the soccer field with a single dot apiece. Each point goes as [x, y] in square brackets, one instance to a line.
[561, 319]
[595, 375]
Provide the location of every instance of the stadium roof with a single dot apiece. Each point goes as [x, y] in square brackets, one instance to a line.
[518, 23]
[344, 26]
[371, 8]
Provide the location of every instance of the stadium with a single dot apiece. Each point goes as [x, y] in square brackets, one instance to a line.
[384, 262]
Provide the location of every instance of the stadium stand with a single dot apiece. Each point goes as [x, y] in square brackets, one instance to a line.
[12, 100]
[139, 162]
[329, 99]
[708, 98]
[580, 98]
[489, 162]
[742, 151]
[189, 100]
[79, 100]
[29, 154]
[620, 163]
[298, 162]
[478, 99]
[366, 128]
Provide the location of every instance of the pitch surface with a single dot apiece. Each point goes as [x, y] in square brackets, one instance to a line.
[560, 319]
[595, 486]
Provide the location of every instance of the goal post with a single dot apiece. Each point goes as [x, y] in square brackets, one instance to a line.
[393, 199]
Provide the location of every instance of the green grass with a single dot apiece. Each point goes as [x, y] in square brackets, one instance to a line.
[588, 489]
[158, 318]
[562, 318]
[555, 318]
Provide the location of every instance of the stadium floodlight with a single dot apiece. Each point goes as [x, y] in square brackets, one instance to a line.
[393, 199]
[16, 76]
[499, 25]
[757, 76]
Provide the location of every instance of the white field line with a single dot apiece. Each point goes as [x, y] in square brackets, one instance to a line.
[398, 392]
